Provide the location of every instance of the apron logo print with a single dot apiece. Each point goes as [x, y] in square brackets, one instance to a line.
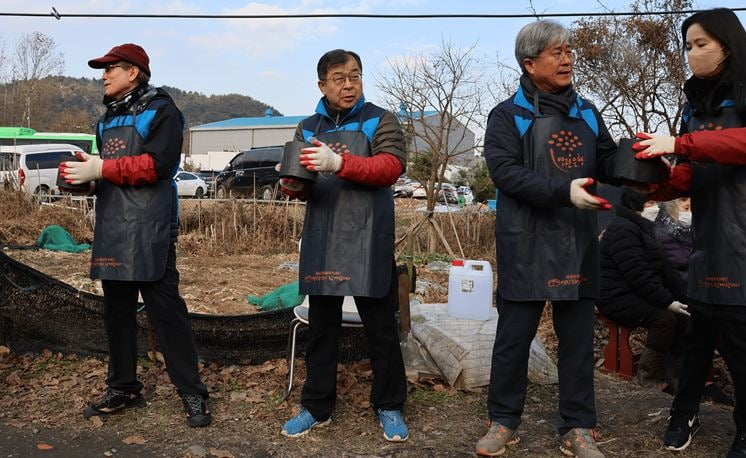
[339, 148]
[718, 282]
[569, 280]
[562, 146]
[709, 126]
[113, 145]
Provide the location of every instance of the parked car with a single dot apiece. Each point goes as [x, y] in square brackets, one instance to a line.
[466, 192]
[33, 168]
[418, 191]
[209, 177]
[403, 187]
[250, 173]
[448, 194]
[189, 184]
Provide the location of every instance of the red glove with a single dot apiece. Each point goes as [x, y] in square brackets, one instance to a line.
[295, 189]
[78, 192]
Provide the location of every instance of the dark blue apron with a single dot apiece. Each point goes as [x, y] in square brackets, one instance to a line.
[717, 266]
[550, 253]
[348, 233]
[132, 234]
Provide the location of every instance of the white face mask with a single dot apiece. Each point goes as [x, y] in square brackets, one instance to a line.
[650, 212]
[685, 218]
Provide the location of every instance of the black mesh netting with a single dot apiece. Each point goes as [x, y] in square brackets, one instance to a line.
[38, 312]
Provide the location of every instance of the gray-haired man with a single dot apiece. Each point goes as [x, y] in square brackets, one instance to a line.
[545, 147]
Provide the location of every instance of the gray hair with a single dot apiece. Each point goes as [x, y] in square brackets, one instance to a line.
[537, 36]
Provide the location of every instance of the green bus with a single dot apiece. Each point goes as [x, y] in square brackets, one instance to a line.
[16, 136]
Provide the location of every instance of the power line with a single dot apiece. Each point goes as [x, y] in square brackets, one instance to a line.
[57, 15]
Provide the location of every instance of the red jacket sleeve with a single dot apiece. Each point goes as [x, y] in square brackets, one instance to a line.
[130, 170]
[677, 185]
[382, 169]
[726, 146]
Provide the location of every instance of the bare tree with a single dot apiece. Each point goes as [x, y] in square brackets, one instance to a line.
[3, 62]
[35, 58]
[439, 98]
[633, 68]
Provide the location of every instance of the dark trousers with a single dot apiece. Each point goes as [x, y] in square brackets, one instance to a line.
[665, 331]
[168, 314]
[389, 390]
[707, 326]
[516, 328]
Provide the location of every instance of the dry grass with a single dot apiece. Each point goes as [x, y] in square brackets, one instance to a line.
[22, 219]
[470, 234]
[239, 226]
[212, 227]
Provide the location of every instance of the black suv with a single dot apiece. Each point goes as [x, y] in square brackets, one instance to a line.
[250, 173]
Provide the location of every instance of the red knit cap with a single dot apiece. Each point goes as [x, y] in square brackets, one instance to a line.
[127, 52]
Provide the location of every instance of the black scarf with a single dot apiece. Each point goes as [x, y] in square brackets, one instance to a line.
[706, 95]
[118, 106]
[666, 223]
[555, 104]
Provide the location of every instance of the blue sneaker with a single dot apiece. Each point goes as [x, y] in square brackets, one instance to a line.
[300, 424]
[394, 428]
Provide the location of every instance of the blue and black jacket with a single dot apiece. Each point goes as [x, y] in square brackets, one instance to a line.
[380, 126]
[160, 124]
[506, 139]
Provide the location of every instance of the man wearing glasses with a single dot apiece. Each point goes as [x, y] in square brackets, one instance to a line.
[348, 241]
[545, 146]
[134, 244]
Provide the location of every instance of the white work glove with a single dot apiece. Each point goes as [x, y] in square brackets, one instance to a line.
[320, 158]
[83, 172]
[651, 147]
[678, 307]
[584, 200]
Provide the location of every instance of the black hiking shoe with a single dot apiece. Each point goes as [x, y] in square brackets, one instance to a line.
[738, 448]
[195, 407]
[113, 401]
[681, 429]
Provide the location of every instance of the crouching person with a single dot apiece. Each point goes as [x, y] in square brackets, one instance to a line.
[134, 244]
[348, 242]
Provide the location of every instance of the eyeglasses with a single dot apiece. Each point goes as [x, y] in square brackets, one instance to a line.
[559, 54]
[339, 80]
[111, 67]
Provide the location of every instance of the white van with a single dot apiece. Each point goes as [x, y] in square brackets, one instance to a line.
[33, 168]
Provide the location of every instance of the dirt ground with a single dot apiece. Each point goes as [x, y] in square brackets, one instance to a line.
[43, 395]
[220, 289]
[209, 284]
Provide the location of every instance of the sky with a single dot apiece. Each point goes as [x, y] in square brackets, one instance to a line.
[274, 60]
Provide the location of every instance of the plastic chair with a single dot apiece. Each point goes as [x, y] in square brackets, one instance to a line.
[350, 319]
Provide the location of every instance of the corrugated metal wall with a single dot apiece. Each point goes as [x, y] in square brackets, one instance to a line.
[202, 141]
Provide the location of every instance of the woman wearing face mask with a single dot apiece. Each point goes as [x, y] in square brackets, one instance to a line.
[639, 287]
[712, 170]
[673, 228]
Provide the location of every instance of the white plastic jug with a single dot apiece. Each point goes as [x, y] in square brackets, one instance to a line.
[470, 290]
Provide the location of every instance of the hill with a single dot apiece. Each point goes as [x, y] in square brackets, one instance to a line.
[66, 104]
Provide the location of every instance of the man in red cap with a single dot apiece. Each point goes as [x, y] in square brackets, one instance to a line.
[134, 244]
